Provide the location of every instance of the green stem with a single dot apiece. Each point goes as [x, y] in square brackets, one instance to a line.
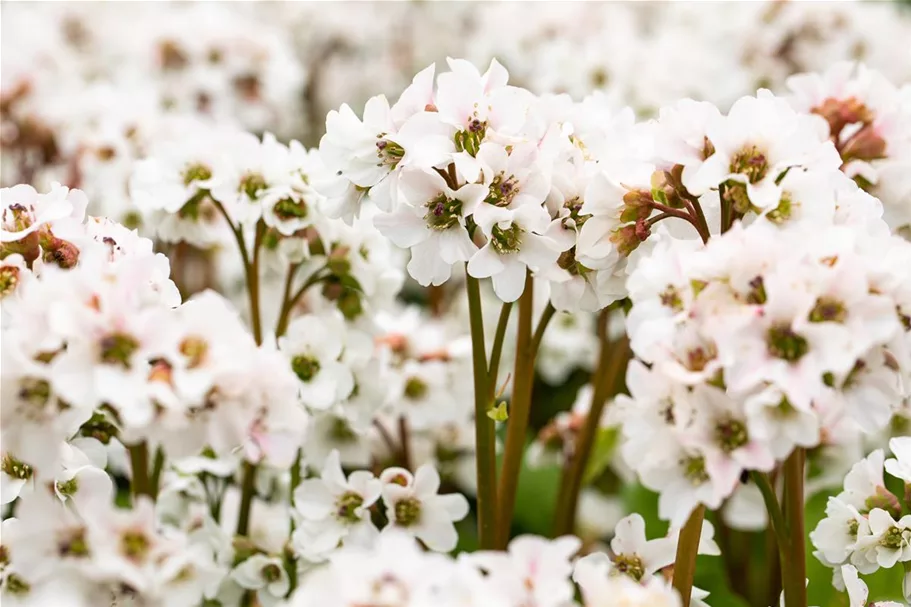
[485, 432]
[794, 567]
[253, 282]
[157, 467]
[404, 436]
[248, 487]
[281, 323]
[519, 410]
[497, 350]
[139, 462]
[687, 548]
[611, 363]
[289, 303]
[776, 517]
[546, 317]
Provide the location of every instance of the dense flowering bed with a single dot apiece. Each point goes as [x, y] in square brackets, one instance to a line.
[467, 345]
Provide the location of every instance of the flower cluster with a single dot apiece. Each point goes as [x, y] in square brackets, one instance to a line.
[864, 528]
[533, 570]
[235, 397]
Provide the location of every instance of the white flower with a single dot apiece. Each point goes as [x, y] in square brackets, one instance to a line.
[313, 345]
[533, 570]
[864, 481]
[264, 574]
[24, 211]
[637, 556]
[333, 510]
[837, 534]
[515, 244]
[759, 139]
[599, 589]
[889, 541]
[900, 465]
[431, 223]
[412, 505]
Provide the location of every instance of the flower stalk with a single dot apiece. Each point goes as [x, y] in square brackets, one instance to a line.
[485, 432]
[611, 363]
[139, 462]
[687, 548]
[794, 566]
[520, 407]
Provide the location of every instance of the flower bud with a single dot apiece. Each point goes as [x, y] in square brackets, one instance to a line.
[63, 253]
[866, 144]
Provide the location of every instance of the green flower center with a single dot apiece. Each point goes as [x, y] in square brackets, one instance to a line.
[9, 280]
[195, 349]
[756, 295]
[470, 139]
[782, 212]
[135, 545]
[784, 409]
[443, 213]
[731, 434]
[252, 184]
[506, 240]
[73, 543]
[118, 349]
[16, 585]
[415, 388]
[892, 539]
[196, 172]
[502, 190]
[35, 391]
[341, 431]
[271, 573]
[389, 152]
[750, 162]
[346, 506]
[288, 208]
[670, 298]
[782, 342]
[853, 526]
[694, 470]
[575, 213]
[305, 367]
[407, 511]
[15, 468]
[68, 488]
[828, 309]
[630, 564]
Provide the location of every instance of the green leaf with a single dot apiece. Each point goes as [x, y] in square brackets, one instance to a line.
[601, 455]
[536, 500]
[498, 413]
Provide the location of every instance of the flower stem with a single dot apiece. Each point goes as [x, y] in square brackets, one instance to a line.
[288, 304]
[546, 317]
[406, 443]
[139, 462]
[687, 548]
[519, 409]
[253, 282]
[246, 498]
[157, 467]
[485, 434]
[775, 515]
[611, 364]
[794, 567]
[497, 350]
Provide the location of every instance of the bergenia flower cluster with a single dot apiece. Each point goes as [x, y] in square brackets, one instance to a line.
[867, 526]
[477, 343]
